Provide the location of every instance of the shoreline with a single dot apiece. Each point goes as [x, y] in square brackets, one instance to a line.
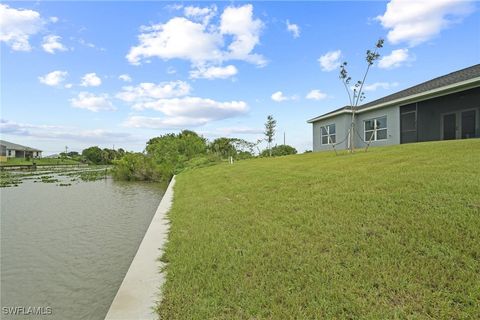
[138, 293]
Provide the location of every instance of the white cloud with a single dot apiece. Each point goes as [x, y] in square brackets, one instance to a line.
[16, 27]
[239, 22]
[330, 60]
[163, 123]
[54, 78]
[214, 72]
[68, 85]
[186, 112]
[316, 95]
[395, 59]
[377, 85]
[178, 109]
[279, 96]
[53, 19]
[178, 38]
[200, 14]
[91, 80]
[92, 102]
[414, 22]
[61, 133]
[294, 29]
[146, 91]
[202, 43]
[52, 43]
[125, 78]
[195, 107]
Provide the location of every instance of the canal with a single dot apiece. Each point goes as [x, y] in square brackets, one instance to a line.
[65, 249]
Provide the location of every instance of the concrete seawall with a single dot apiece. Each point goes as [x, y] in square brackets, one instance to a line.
[140, 288]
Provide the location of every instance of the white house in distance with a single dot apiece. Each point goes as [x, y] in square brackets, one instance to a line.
[13, 150]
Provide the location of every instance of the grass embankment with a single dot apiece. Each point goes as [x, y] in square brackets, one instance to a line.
[392, 233]
[38, 162]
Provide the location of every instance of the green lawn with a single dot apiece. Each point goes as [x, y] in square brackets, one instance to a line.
[389, 234]
[40, 161]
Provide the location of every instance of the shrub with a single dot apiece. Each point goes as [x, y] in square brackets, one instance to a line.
[281, 150]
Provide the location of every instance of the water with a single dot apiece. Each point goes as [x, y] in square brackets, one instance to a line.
[68, 248]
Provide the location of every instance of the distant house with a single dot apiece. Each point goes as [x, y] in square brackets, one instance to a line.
[444, 108]
[13, 150]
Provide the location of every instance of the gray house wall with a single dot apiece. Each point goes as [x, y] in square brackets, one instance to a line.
[393, 126]
[342, 124]
[429, 120]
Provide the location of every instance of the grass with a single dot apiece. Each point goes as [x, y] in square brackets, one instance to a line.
[39, 161]
[389, 234]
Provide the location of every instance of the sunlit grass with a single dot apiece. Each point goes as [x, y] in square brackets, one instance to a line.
[392, 233]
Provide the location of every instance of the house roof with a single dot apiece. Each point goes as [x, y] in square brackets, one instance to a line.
[14, 146]
[441, 85]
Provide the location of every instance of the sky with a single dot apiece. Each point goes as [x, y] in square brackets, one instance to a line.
[115, 74]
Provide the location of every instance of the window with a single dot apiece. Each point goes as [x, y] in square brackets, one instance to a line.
[328, 134]
[376, 129]
[9, 153]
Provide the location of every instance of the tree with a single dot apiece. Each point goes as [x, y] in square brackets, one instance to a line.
[270, 131]
[93, 155]
[356, 94]
[281, 150]
[223, 147]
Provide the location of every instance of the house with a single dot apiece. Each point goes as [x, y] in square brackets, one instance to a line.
[444, 108]
[13, 150]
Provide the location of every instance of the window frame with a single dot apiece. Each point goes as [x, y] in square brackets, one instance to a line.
[328, 135]
[375, 129]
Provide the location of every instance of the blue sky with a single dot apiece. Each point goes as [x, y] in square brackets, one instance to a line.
[78, 74]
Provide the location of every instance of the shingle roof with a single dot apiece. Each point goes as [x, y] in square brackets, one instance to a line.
[15, 146]
[448, 79]
[436, 83]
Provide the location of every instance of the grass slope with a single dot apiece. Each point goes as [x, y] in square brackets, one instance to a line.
[39, 161]
[392, 233]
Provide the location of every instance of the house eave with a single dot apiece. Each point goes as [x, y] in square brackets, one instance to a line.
[434, 93]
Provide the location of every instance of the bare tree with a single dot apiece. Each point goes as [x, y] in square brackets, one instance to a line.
[270, 132]
[356, 94]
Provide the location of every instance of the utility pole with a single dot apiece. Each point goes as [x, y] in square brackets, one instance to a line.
[66, 151]
[284, 138]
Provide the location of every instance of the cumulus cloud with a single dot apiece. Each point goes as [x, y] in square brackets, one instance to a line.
[125, 78]
[186, 112]
[51, 43]
[395, 59]
[147, 91]
[330, 60]
[279, 96]
[206, 45]
[17, 26]
[294, 29]
[177, 38]
[316, 95]
[203, 15]
[214, 72]
[239, 23]
[54, 78]
[178, 108]
[91, 80]
[92, 102]
[414, 22]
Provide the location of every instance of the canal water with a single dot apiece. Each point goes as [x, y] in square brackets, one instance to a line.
[66, 249]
